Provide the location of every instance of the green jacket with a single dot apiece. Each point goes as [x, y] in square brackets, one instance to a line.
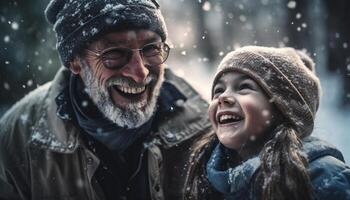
[43, 157]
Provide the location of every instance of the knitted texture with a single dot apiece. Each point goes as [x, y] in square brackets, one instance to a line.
[287, 76]
[77, 22]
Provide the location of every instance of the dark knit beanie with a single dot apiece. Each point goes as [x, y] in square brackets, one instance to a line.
[77, 22]
[288, 77]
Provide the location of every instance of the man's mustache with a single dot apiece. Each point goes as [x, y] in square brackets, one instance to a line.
[126, 82]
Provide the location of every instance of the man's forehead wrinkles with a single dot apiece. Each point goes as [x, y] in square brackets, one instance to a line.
[127, 38]
[111, 42]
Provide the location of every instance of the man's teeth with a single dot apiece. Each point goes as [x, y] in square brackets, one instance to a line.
[229, 117]
[129, 90]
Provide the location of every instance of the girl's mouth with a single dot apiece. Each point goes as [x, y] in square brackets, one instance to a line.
[229, 118]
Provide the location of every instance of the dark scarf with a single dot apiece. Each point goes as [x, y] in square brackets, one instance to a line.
[86, 115]
[93, 122]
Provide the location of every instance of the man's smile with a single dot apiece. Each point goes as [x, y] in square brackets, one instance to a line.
[130, 90]
[124, 92]
[123, 96]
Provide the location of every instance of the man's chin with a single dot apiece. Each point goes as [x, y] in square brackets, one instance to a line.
[130, 112]
[133, 111]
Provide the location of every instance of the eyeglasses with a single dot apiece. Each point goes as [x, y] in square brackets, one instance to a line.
[116, 57]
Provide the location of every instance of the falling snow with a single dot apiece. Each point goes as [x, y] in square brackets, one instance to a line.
[206, 6]
[298, 16]
[242, 18]
[292, 4]
[84, 103]
[14, 26]
[29, 82]
[6, 86]
[7, 39]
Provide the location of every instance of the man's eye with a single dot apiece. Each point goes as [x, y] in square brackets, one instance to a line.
[112, 63]
[151, 50]
[115, 54]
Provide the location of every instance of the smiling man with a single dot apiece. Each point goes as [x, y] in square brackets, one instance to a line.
[114, 123]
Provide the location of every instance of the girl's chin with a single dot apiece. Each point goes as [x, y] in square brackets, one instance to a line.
[231, 142]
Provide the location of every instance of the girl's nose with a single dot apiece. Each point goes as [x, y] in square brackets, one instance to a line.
[227, 99]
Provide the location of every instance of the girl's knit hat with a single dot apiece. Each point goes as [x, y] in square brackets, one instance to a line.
[288, 77]
[77, 22]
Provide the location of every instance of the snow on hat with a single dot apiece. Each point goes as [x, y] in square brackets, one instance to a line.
[288, 77]
[77, 22]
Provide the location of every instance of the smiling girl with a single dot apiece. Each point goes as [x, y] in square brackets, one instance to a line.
[263, 107]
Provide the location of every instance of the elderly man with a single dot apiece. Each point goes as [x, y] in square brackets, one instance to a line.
[114, 123]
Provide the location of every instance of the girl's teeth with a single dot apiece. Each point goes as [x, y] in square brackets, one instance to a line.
[225, 117]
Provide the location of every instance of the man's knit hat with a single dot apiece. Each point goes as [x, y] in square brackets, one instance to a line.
[287, 76]
[77, 22]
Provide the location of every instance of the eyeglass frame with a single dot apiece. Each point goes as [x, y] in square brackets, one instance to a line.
[100, 53]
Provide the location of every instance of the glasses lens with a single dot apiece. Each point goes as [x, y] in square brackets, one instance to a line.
[155, 53]
[116, 57]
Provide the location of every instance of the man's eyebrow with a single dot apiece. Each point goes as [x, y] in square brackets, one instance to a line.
[151, 40]
[108, 42]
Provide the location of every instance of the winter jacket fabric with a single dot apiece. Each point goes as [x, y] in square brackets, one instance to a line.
[45, 157]
[329, 175]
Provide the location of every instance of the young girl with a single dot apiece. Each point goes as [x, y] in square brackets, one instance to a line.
[264, 102]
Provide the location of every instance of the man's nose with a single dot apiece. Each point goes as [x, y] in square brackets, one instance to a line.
[136, 69]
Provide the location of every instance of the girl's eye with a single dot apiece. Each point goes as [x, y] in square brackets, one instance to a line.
[245, 86]
[217, 91]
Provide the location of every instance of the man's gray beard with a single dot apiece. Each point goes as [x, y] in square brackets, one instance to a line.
[131, 116]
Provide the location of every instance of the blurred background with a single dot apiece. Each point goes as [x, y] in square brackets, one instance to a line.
[202, 32]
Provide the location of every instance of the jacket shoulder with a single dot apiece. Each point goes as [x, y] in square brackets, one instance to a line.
[330, 176]
[189, 120]
[23, 114]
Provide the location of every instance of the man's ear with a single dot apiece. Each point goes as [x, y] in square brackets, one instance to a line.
[75, 66]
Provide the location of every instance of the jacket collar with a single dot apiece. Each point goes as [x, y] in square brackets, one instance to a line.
[50, 131]
[188, 120]
[316, 148]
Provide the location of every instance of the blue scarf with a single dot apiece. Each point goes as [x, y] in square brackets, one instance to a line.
[232, 182]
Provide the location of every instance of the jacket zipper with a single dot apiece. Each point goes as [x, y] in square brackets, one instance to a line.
[85, 167]
[138, 167]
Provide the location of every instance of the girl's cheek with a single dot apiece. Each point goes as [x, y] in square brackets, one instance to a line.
[212, 113]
